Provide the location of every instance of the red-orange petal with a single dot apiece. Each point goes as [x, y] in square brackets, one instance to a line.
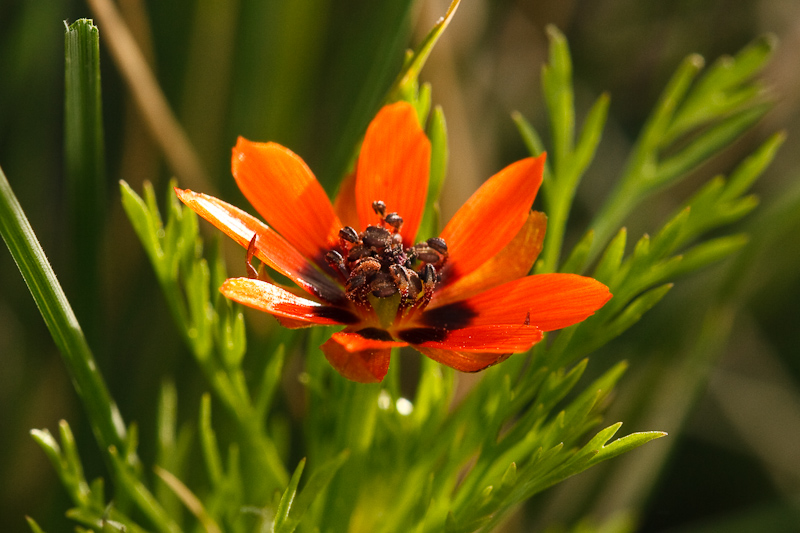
[512, 262]
[284, 191]
[494, 338]
[282, 303]
[355, 342]
[271, 248]
[366, 366]
[393, 166]
[492, 217]
[345, 203]
[464, 362]
[547, 301]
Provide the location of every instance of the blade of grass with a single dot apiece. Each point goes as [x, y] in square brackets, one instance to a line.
[84, 158]
[104, 417]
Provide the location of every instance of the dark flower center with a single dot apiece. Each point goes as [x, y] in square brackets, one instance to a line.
[375, 263]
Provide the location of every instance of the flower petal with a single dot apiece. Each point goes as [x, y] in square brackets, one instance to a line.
[280, 302]
[393, 166]
[284, 191]
[512, 262]
[345, 203]
[464, 362]
[495, 338]
[365, 366]
[354, 341]
[490, 219]
[271, 248]
[547, 301]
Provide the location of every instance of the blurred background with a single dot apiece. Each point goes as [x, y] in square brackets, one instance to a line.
[719, 369]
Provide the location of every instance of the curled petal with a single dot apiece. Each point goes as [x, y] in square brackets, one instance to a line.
[282, 303]
[393, 167]
[270, 247]
[547, 301]
[284, 191]
[365, 366]
[464, 362]
[512, 262]
[492, 216]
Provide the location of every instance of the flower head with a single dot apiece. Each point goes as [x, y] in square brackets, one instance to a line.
[463, 298]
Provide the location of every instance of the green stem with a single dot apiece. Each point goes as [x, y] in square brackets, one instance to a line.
[104, 417]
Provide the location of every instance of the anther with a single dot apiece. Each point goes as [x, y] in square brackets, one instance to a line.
[382, 285]
[438, 244]
[394, 220]
[429, 277]
[379, 207]
[377, 238]
[336, 261]
[358, 252]
[358, 281]
[347, 237]
[425, 253]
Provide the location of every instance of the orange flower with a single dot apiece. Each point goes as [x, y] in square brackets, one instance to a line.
[463, 299]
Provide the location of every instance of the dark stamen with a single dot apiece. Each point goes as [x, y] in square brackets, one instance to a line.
[379, 207]
[438, 244]
[394, 220]
[252, 273]
[374, 263]
[377, 238]
[336, 261]
[347, 237]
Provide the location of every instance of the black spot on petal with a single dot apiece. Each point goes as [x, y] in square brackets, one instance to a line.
[342, 316]
[452, 316]
[375, 334]
[420, 335]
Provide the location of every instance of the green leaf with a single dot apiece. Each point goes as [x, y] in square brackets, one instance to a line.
[707, 144]
[557, 88]
[634, 311]
[33, 525]
[533, 142]
[576, 261]
[104, 417]
[316, 484]
[612, 258]
[269, 382]
[590, 135]
[625, 444]
[142, 220]
[208, 441]
[709, 252]
[752, 167]
[127, 481]
[667, 238]
[437, 132]
[408, 77]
